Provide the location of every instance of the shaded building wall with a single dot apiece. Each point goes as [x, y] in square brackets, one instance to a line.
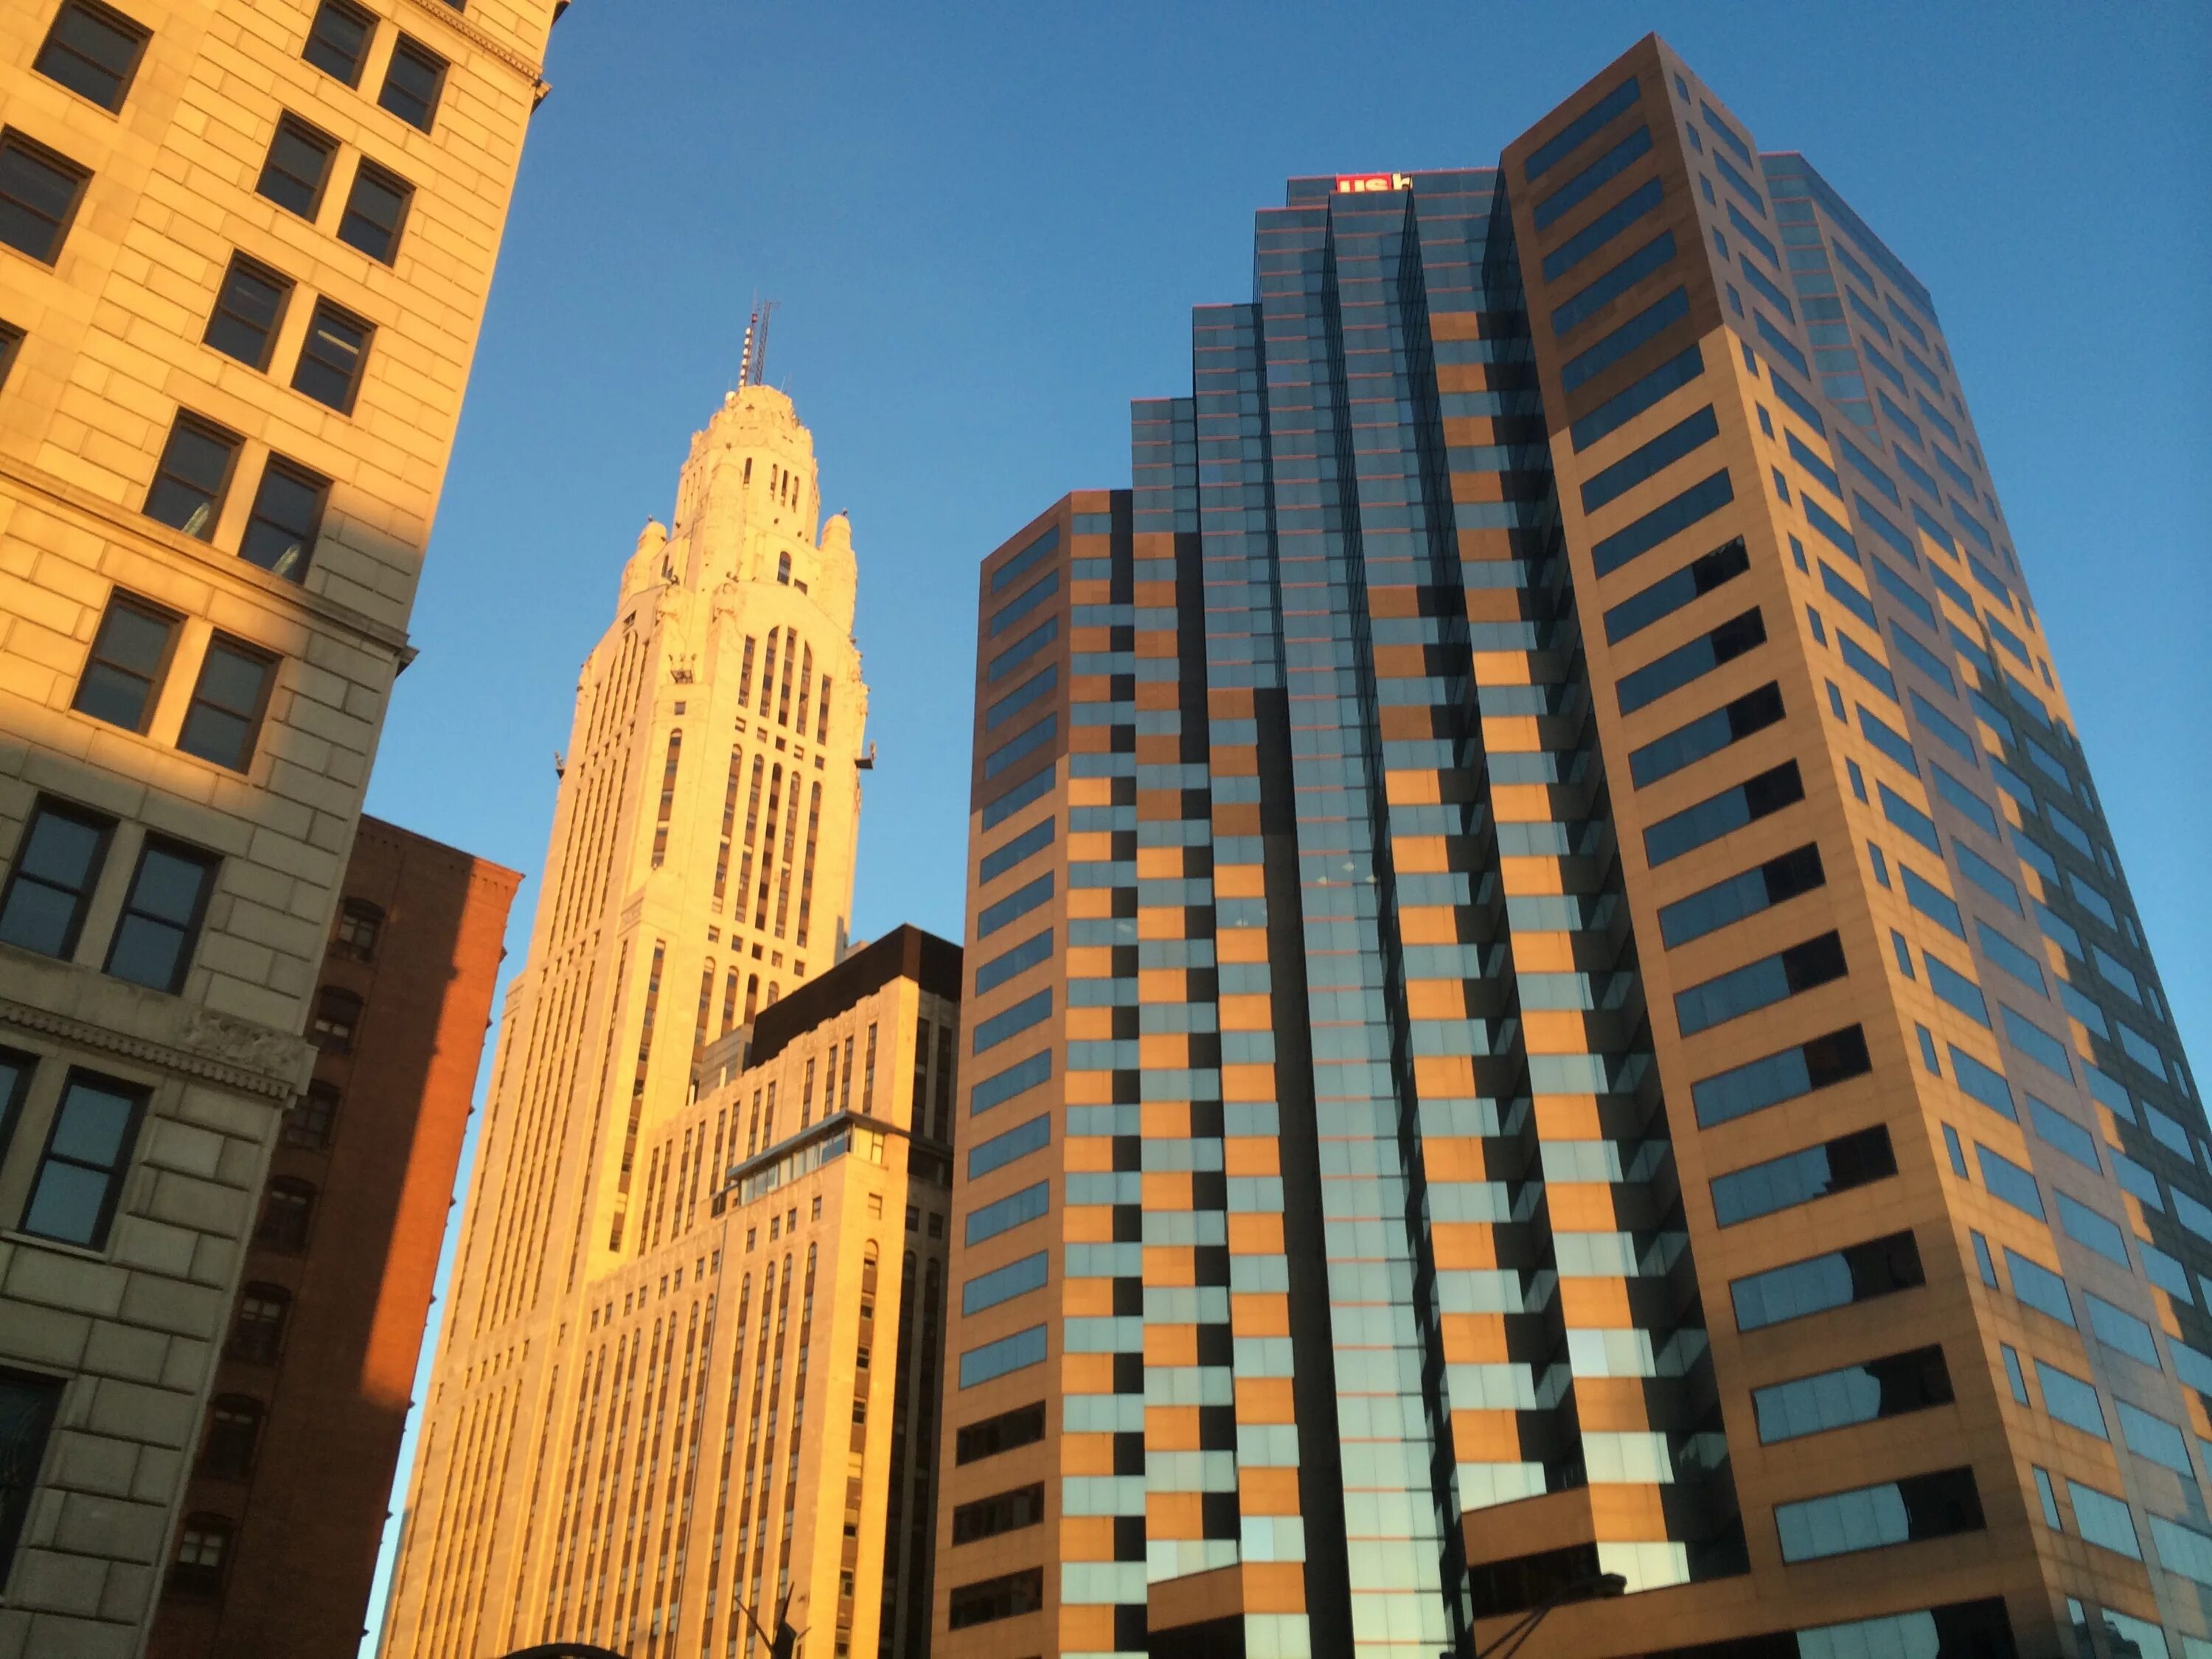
[1540, 939]
[302, 1459]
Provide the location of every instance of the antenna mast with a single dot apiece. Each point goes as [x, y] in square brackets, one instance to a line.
[746, 359]
[760, 351]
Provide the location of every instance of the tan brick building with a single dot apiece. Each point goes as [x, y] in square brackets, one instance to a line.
[700, 874]
[244, 250]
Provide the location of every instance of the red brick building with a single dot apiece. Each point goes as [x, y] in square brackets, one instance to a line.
[286, 1502]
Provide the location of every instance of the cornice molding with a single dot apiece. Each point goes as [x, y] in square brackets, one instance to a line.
[478, 37]
[236, 1054]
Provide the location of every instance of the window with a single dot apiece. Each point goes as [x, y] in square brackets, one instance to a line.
[1755, 797]
[1017, 1277]
[288, 1210]
[80, 1175]
[2103, 1520]
[412, 82]
[1876, 1389]
[338, 1012]
[311, 1119]
[1837, 1166]
[27, 1405]
[1001, 1512]
[375, 212]
[59, 860]
[1902, 1512]
[298, 167]
[1000, 1027]
[248, 308]
[1579, 308]
[1686, 435]
[123, 671]
[1713, 908]
[288, 515]
[359, 922]
[2071, 1400]
[257, 1331]
[331, 359]
[162, 916]
[233, 1431]
[1819, 1063]
[337, 40]
[224, 716]
[1700, 501]
[1685, 663]
[92, 51]
[1023, 1426]
[11, 339]
[1760, 984]
[1858, 1273]
[192, 477]
[202, 1552]
[989, 1220]
[40, 191]
[993, 1598]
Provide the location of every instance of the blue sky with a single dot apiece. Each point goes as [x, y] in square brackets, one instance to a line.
[986, 225]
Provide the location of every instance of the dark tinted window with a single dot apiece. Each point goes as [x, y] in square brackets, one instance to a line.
[233, 1432]
[225, 715]
[92, 51]
[190, 480]
[38, 196]
[412, 83]
[27, 1405]
[338, 1012]
[247, 309]
[80, 1175]
[1023, 1426]
[298, 167]
[337, 40]
[375, 212]
[56, 867]
[287, 510]
[310, 1122]
[153, 944]
[288, 1210]
[202, 1552]
[256, 1330]
[330, 360]
[123, 671]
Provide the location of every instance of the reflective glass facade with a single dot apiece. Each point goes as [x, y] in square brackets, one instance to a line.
[1506, 870]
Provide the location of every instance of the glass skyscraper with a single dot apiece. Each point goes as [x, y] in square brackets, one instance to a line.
[1552, 1001]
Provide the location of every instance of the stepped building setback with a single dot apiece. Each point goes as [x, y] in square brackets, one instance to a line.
[689, 1360]
[244, 253]
[1555, 1021]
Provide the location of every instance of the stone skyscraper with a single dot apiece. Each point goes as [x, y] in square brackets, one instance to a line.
[700, 870]
[244, 253]
[1553, 1006]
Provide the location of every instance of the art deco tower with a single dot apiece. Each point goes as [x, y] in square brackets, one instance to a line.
[700, 866]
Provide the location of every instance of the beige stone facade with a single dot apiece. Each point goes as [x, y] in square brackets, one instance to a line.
[700, 874]
[244, 251]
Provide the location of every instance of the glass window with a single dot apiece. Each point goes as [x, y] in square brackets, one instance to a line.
[2008, 1182]
[1730, 901]
[79, 1174]
[2072, 1400]
[376, 212]
[1706, 736]
[1625, 406]
[1700, 502]
[1858, 1273]
[225, 714]
[332, 357]
[1644, 686]
[192, 477]
[92, 50]
[129, 656]
[360, 923]
[1653, 256]
[162, 916]
[57, 866]
[1760, 984]
[1649, 460]
[1000, 1027]
[298, 167]
[248, 308]
[337, 1014]
[1017, 1277]
[1583, 128]
[1794, 1178]
[337, 40]
[40, 191]
[995, 1359]
[412, 82]
[1875, 1389]
[1756, 797]
[1917, 1507]
[287, 516]
[1759, 1084]
[233, 1432]
[1638, 203]
[2103, 1520]
[1016, 1143]
[1019, 902]
[287, 1211]
[989, 1220]
[312, 1119]
[203, 1554]
[257, 1331]
[29, 1403]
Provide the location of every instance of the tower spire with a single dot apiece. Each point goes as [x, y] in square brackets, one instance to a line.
[761, 314]
[745, 358]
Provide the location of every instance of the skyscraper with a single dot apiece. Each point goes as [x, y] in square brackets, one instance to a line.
[293, 1465]
[1553, 1011]
[700, 874]
[244, 251]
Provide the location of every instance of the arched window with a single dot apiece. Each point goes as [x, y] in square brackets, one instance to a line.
[203, 1554]
[310, 1121]
[256, 1330]
[360, 923]
[338, 1017]
[783, 569]
[233, 1432]
[287, 1209]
